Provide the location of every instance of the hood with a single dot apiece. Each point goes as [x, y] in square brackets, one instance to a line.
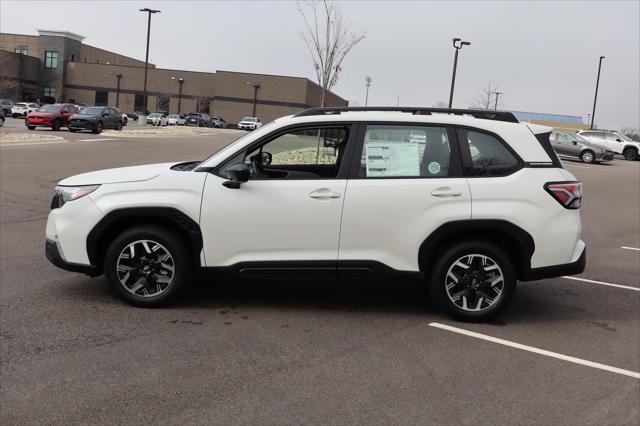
[42, 114]
[119, 175]
[594, 145]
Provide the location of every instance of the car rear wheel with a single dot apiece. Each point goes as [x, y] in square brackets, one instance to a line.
[473, 281]
[119, 125]
[588, 157]
[98, 128]
[147, 266]
[31, 127]
[630, 154]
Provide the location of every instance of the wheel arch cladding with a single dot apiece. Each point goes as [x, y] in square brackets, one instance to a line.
[119, 220]
[516, 242]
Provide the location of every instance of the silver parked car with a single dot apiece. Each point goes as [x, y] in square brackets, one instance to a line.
[615, 141]
[575, 146]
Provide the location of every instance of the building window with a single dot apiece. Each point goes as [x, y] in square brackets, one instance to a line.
[139, 102]
[49, 91]
[102, 98]
[21, 50]
[50, 59]
[73, 57]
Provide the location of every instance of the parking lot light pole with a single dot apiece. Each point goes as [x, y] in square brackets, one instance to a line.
[146, 60]
[180, 83]
[256, 86]
[495, 108]
[457, 44]
[118, 76]
[595, 98]
[368, 82]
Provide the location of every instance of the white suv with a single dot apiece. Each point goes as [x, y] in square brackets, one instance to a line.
[469, 201]
[615, 141]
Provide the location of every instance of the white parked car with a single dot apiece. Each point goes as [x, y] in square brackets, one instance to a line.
[468, 201]
[21, 109]
[249, 123]
[157, 119]
[615, 141]
[176, 120]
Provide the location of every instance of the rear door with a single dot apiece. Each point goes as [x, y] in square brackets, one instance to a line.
[405, 181]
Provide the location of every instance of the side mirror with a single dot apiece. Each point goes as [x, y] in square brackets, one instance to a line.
[237, 174]
[575, 142]
[266, 158]
[618, 140]
[104, 114]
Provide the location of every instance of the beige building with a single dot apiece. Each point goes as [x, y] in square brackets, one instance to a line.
[58, 66]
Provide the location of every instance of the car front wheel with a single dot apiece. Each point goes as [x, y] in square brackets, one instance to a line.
[473, 281]
[147, 266]
[98, 128]
[587, 157]
[630, 154]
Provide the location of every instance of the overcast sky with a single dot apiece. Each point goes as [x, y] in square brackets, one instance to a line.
[543, 55]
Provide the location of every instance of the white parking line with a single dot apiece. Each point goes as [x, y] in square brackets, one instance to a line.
[630, 248]
[626, 287]
[95, 140]
[536, 350]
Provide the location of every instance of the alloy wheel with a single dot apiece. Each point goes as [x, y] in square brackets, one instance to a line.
[145, 268]
[587, 157]
[474, 282]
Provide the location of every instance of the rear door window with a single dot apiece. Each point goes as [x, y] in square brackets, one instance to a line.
[409, 151]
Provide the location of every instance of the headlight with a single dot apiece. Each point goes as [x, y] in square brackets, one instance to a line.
[65, 194]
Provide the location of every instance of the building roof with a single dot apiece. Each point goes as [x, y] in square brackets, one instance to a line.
[543, 116]
[66, 34]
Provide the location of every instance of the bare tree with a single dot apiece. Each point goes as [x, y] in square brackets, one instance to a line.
[329, 40]
[632, 133]
[485, 99]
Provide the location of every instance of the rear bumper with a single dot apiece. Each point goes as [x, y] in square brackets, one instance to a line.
[572, 268]
[53, 254]
[607, 156]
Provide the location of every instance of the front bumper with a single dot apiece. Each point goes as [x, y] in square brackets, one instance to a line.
[38, 123]
[53, 254]
[82, 125]
[572, 268]
[606, 156]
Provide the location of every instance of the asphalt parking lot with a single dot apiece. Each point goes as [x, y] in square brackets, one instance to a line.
[291, 353]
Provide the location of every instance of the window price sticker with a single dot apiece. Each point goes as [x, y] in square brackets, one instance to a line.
[392, 159]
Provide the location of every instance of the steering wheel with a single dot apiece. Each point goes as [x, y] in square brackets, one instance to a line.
[256, 169]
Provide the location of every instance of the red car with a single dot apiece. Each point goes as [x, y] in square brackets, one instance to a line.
[54, 116]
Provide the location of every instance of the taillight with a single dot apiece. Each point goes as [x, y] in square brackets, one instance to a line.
[569, 194]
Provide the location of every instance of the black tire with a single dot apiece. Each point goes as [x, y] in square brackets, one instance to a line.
[98, 128]
[15, 115]
[119, 125]
[56, 125]
[588, 156]
[630, 154]
[73, 130]
[31, 127]
[1, 121]
[170, 241]
[439, 281]
[125, 121]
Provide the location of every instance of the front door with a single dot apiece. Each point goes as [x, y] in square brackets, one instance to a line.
[288, 213]
[407, 181]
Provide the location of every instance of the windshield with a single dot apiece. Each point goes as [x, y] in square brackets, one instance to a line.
[173, 116]
[624, 137]
[155, 114]
[264, 129]
[49, 108]
[91, 110]
[249, 119]
[20, 105]
[581, 139]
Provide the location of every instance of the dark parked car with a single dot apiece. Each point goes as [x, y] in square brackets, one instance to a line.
[96, 119]
[54, 116]
[6, 105]
[198, 119]
[219, 122]
[575, 146]
[1, 117]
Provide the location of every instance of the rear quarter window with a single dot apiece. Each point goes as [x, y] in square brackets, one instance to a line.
[485, 155]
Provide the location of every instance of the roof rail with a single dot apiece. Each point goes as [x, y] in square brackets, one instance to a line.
[477, 113]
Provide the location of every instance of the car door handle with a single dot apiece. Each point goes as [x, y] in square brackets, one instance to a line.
[323, 194]
[445, 192]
